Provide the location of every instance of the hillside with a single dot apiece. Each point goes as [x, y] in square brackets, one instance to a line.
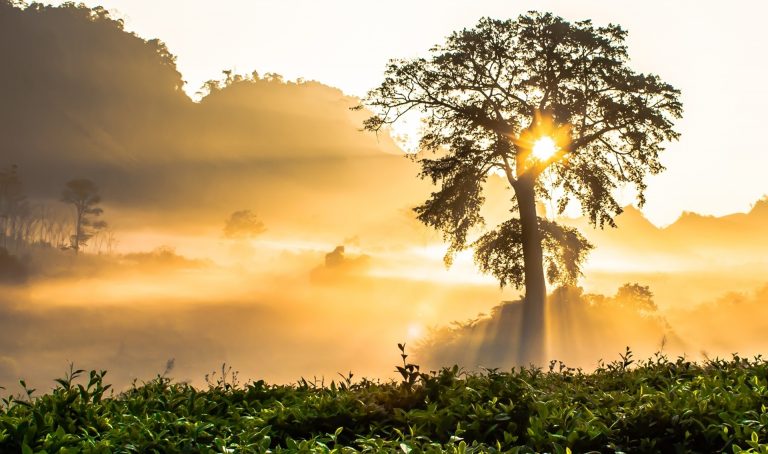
[87, 99]
[692, 237]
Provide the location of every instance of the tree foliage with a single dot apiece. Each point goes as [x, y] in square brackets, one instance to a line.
[500, 252]
[636, 296]
[243, 224]
[488, 91]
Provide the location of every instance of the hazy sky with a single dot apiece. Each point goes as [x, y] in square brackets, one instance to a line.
[712, 51]
[87, 103]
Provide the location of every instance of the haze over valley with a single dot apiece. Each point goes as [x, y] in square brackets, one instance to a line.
[259, 226]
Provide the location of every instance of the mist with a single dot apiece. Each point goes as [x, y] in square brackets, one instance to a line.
[281, 316]
[339, 272]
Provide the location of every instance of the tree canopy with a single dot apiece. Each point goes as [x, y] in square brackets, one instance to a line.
[489, 91]
[525, 98]
[243, 224]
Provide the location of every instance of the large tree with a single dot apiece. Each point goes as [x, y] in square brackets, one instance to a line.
[525, 98]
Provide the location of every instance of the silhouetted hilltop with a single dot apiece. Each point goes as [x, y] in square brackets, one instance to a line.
[78, 87]
[741, 230]
[274, 119]
[84, 98]
[691, 236]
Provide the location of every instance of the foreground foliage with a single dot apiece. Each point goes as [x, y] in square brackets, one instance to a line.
[654, 406]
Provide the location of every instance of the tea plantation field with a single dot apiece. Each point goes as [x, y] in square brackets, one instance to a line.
[658, 405]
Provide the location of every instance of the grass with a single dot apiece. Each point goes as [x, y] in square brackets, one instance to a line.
[657, 405]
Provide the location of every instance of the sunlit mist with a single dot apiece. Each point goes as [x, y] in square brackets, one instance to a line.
[415, 331]
[254, 223]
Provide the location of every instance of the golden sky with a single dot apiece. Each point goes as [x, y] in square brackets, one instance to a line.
[711, 50]
[172, 172]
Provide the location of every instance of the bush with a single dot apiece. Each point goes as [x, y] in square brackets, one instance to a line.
[655, 406]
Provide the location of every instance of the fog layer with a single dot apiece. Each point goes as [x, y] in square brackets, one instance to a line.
[338, 270]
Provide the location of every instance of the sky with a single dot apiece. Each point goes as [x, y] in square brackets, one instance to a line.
[710, 50]
[343, 271]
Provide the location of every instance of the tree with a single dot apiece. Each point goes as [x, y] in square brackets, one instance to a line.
[84, 196]
[525, 98]
[243, 224]
[14, 207]
[637, 297]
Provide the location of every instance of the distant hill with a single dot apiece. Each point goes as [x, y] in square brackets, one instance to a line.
[693, 240]
[84, 98]
[693, 260]
[77, 87]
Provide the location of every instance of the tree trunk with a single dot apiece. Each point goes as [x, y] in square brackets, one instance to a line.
[78, 222]
[531, 346]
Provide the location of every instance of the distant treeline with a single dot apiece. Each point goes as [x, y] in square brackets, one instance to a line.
[24, 223]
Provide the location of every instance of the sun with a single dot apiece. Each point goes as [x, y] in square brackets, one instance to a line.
[544, 148]
[543, 142]
[415, 331]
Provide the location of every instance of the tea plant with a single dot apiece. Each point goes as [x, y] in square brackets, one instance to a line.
[657, 405]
